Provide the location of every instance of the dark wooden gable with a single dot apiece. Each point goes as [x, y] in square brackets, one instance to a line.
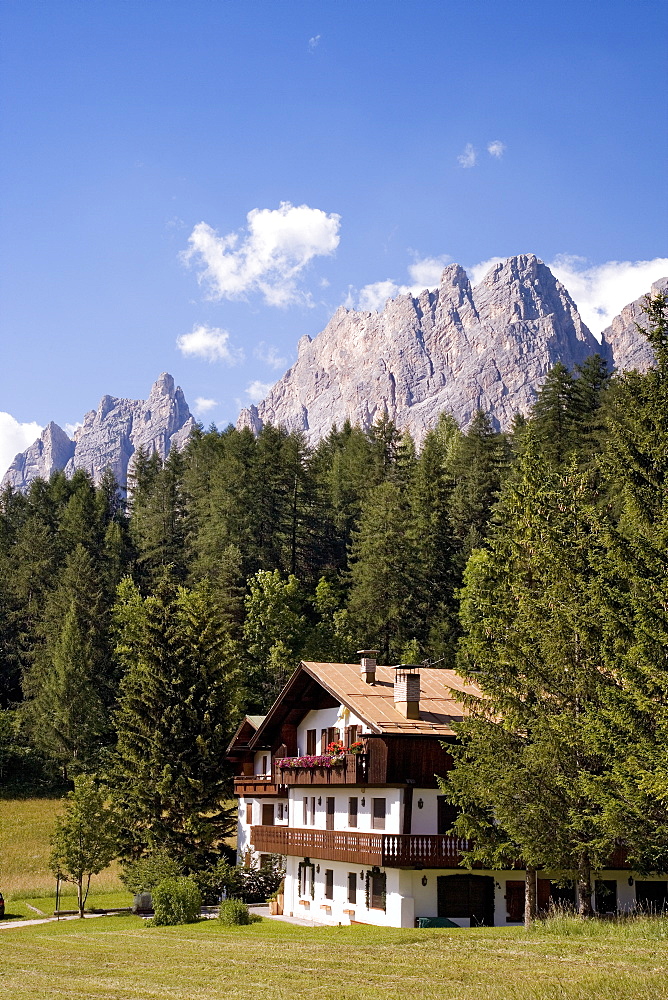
[300, 695]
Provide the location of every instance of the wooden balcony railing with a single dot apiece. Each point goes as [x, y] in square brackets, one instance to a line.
[392, 850]
[353, 771]
[258, 785]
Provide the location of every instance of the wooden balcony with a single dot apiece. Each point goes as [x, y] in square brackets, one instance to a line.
[353, 771]
[391, 850]
[258, 785]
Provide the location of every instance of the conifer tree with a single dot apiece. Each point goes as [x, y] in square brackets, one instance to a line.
[177, 708]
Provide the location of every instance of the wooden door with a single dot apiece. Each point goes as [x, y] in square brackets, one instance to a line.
[469, 896]
[515, 901]
[268, 814]
[446, 814]
[329, 817]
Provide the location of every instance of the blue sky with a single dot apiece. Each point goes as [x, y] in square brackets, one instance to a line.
[192, 186]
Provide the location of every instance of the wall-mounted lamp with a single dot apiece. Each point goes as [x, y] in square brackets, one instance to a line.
[497, 885]
[320, 800]
[363, 801]
[317, 869]
[420, 804]
[630, 879]
[424, 880]
[362, 876]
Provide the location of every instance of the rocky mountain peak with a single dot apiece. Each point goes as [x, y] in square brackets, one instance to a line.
[109, 437]
[456, 348]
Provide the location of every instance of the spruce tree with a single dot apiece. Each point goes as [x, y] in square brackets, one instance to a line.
[176, 712]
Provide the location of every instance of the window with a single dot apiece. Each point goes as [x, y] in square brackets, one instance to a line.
[329, 883]
[352, 811]
[352, 887]
[378, 815]
[313, 810]
[268, 814]
[249, 813]
[282, 811]
[323, 740]
[310, 742]
[378, 889]
[305, 810]
[265, 761]
[329, 817]
[446, 814]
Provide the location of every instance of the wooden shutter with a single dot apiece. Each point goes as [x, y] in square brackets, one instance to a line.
[268, 814]
[352, 887]
[329, 883]
[378, 889]
[305, 810]
[378, 815]
[346, 736]
[543, 895]
[352, 811]
[249, 813]
[515, 900]
[310, 742]
[323, 740]
[329, 818]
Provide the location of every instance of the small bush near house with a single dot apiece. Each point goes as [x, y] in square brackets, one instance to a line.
[256, 885]
[216, 881]
[176, 901]
[234, 911]
[143, 875]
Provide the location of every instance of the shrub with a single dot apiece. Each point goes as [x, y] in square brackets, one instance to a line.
[176, 901]
[216, 881]
[256, 885]
[234, 911]
[143, 875]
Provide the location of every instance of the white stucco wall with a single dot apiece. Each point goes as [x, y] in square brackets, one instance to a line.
[392, 796]
[324, 718]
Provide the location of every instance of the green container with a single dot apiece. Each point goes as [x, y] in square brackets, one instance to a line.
[435, 922]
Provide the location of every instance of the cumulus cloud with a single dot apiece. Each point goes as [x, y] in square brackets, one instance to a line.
[210, 343]
[424, 272]
[203, 405]
[257, 390]
[71, 429]
[15, 437]
[601, 291]
[496, 148]
[477, 272]
[313, 43]
[269, 354]
[268, 257]
[468, 157]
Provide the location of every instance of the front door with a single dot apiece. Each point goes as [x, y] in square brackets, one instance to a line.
[469, 896]
[329, 816]
[515, 901]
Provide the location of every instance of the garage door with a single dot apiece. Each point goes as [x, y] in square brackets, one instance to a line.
[467, 896]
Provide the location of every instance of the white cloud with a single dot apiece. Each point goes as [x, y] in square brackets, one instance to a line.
[426, 271]
[71, 429]
[269, 354]
[313, 43]
[374, 296]
[210, 343]
[478, 271]
[257, 390]
[468, 157]
[601, 291]
[203, 405]
[15, 437]
[496, 148]
[278, 244]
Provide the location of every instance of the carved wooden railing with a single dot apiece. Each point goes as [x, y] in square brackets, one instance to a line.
[258, 785]
[387, 849]
[352, 771]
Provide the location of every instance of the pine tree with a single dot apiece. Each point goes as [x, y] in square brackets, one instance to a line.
[177, 707]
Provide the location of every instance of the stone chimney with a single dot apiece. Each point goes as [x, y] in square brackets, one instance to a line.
[407, 691]
[368, 664]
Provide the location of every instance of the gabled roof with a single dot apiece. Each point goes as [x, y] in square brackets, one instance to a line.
[245, 732]
[374, 703]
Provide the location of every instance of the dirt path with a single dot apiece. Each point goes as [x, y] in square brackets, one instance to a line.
[4, 926]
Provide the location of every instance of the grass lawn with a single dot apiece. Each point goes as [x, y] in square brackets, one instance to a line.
[26, 826]
[118, 958]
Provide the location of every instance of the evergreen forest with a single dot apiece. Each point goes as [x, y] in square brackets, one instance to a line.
[135, 634]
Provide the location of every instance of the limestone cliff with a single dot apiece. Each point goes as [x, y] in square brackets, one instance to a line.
[458, 349]
[109, 437]
[627, 347]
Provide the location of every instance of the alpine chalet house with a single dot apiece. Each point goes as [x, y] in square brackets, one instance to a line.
[340, 779]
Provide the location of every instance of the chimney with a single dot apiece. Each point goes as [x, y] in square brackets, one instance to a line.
[407, 690]
[368, 664]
